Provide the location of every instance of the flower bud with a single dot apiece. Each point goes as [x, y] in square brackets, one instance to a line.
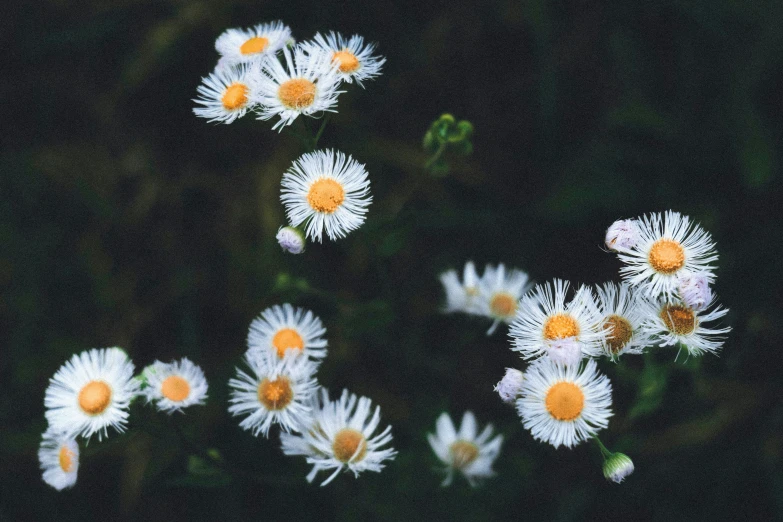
[291, 240]
[695, 290]
[623, 234]
[617, 467]
[565, 351]
[510, 385]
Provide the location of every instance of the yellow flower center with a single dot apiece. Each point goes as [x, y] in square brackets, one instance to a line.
[326, 195]
[175, 388]
[620, 332]
[347, 60]
[347, 443]
[257, 44]
[560, 326]
[66, 459]
[285, 339]
[565, 401]
[297, 93]
[235, 97]
[678, 319]
[503, 305]
[666, 256]
[275, 395]
[463, 453]
[95, 397]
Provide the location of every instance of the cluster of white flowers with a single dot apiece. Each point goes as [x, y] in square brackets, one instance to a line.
[285, 347]
[92, 392]
[263, 70]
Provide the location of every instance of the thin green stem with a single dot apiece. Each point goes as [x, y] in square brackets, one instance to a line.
[320, 132]
[604, 451]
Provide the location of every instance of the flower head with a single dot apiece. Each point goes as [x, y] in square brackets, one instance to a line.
[674, 322]
[237, 46]
[59, 459]
[175, 385]
[90, 393]
[622, 235]
[341, 437]
[500, 292]
[353, 57]
[281, 329]
[694, 289]
[617, 467]
[225, 95]
[564, 405]
[467, 451]
[510, 385]
[326, 191]
[291, 240]
[461, 296]
[623, 311]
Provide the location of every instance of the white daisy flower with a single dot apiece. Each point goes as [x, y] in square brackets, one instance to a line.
[226, 93]
[238, 46]
[326, 191]
[353, 56]
[564, 405]
[510, 385]
[461, 296]
[284, 328]
[175, 385]
[669, 246]
[291, 240]
[59, 458]
[543, 317]
[277, 392]
[694, 289]
[623, 312]
[341, 438]
[675, 322]
[307, 84]
[466, 451]
[622, 235]
[91, 392]
[500, 293]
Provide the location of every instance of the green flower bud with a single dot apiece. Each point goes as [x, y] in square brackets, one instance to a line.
[617, 467]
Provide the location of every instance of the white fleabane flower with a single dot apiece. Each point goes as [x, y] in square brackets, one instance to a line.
[623, 310]
[670, 245]
[238, 46]
[59, 459]
[500, 292]
[327, 192]
[176, 385]
[694, 290]
[544, 317]
[90, 393]
[277, 392]
[225, 95]
[461, 296]
[564, 405]
[466, 451]
[622, 235]
[674, 322]
[306, 84]
[353, 56]
[281, 329]
[617, 467]
[510, 385]
[340, 437]
[291, 240]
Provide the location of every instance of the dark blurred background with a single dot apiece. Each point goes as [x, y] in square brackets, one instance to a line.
[125, 220]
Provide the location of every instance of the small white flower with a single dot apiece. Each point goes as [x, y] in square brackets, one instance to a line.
[675, 322]
[500, 293]
[670, 245]
[340, 437]
[90, 393]
[281, 329]
[326, 192]
[564, 405]
[291, 240]
[466, 451]
[622, 235]
[175, 385]
[307, 84]
[238, 46]
[617, 467]
[623, 312]
[510, 385]
[59, 458]
[354, 57]
[277, 392]
[544, 317]
[226, 93]
[694, 289]
[564, 351]
[461, 296]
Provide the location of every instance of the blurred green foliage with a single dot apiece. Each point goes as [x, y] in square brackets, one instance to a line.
[125, 220]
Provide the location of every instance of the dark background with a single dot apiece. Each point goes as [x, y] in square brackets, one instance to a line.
[125, 220]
